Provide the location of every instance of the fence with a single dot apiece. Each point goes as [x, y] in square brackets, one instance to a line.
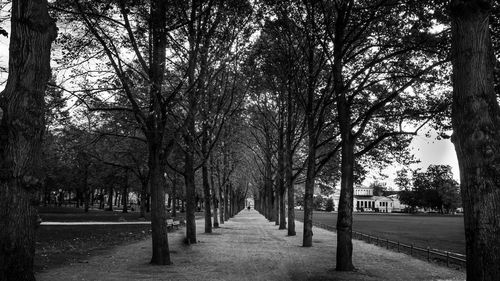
[449, 258]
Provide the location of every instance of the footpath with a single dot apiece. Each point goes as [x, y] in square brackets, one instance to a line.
[248, 247]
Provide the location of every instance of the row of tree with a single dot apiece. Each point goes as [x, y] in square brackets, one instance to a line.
[341, 86]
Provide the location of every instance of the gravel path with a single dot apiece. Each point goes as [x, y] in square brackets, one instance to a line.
[248, 247]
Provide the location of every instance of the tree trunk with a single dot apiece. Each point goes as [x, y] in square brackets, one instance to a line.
[282, 209]
[214, 197]
[174, 197]
[476, 126]
[86, 191]
[288, 166]
[125, 194]
[226, 202]
[344, 221]
[206, 193]
[206, 184]
[155, 129]
[231, 202]
[222, 204]
[190, 198]
[309, 186]
[22, 123]
[276, 206]
[161, 254]
[110, 198]
[144, 195]
[101, 199]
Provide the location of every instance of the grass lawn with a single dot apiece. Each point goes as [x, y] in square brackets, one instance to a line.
[58, 245]
[71, 214]
[436, 231]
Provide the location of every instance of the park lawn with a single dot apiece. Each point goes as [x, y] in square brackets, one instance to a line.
[71, 214]
[64, 244]
[441, 232]
[57, 245]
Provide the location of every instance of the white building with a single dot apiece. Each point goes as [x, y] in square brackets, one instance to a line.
[249, 202]
[364, 201]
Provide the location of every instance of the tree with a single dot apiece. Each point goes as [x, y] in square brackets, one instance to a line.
[371, 72]
[330, 205]
[435, 189]
[22, 124]
[319, 203]
[379, 188]
[402, 180]
[140, 79]
[476, 134]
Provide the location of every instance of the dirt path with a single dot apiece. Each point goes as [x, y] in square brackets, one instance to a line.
[248, 247]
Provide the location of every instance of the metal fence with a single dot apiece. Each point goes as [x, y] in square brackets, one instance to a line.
[449, 258]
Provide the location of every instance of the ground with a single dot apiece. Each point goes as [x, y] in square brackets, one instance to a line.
[248, 247]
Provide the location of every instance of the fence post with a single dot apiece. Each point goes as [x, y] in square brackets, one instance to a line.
[377, 241]
[447, 259]
[398, 246]
[411, 250]
[428, 253]
[387, 240]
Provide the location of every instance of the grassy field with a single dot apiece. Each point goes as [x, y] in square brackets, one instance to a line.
[60, 245]
[70, 214]
[64, 244]
[436, 231]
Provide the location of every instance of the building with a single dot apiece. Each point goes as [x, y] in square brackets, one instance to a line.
[365, 201]
[249, 202]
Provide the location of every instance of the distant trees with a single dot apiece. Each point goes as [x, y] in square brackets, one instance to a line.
[330, 206]
[22, 125]
[379, 188]
[433, 189]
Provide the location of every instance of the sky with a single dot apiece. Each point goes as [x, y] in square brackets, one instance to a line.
[430, 152]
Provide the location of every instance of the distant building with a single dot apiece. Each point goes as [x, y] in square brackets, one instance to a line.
[364, 201]
[249, 202]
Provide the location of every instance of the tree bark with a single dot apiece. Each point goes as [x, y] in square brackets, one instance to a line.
[144, 195]
[281, 176]
[22, 123]
[288, 161]
[226, 201]
[110, 198]
[206, 192]
[476, 126]
[222, 204]
[309, 186]
[86, 191]
[155, 129]
[190, 199]
[125, 194]
[276, 209]
[344, 221]
[161, 253]
[214, 196]
[174, 197]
